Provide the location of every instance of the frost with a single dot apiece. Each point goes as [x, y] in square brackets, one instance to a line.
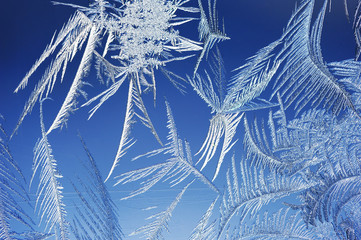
[291, 119]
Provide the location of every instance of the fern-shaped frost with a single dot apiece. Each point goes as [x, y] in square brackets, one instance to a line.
[49, 199]
[305, 78]
[74, 34]
[279, 225]
[176, 168]
[97, 213]
[253, 191]
[221, 125]
[84, 66]
[11, 191]
[253, 77]
[209, 31]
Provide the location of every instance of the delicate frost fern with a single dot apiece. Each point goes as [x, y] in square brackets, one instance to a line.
[289, 147]
[34, 236]
[209, 31]
[153, 230]
[252, 78]
[253, 191]
[49, 194]
[322, 148]
[134, 98]
[11, 191]
[97, 214]
[84, 66]
[73, 36]
[296, 64]
[177, 167]
[283, 156]
[304, 78]
[339, 181]
[125, 142]
[329, 202]
[229, 108]
[279, 225]
[349, 72]
[86, 25]
[222, 124]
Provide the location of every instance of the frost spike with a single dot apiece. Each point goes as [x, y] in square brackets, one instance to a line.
[125, 142]
[69, 102]
[49, 193]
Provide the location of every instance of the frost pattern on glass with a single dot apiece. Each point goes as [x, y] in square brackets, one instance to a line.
[297, 119]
